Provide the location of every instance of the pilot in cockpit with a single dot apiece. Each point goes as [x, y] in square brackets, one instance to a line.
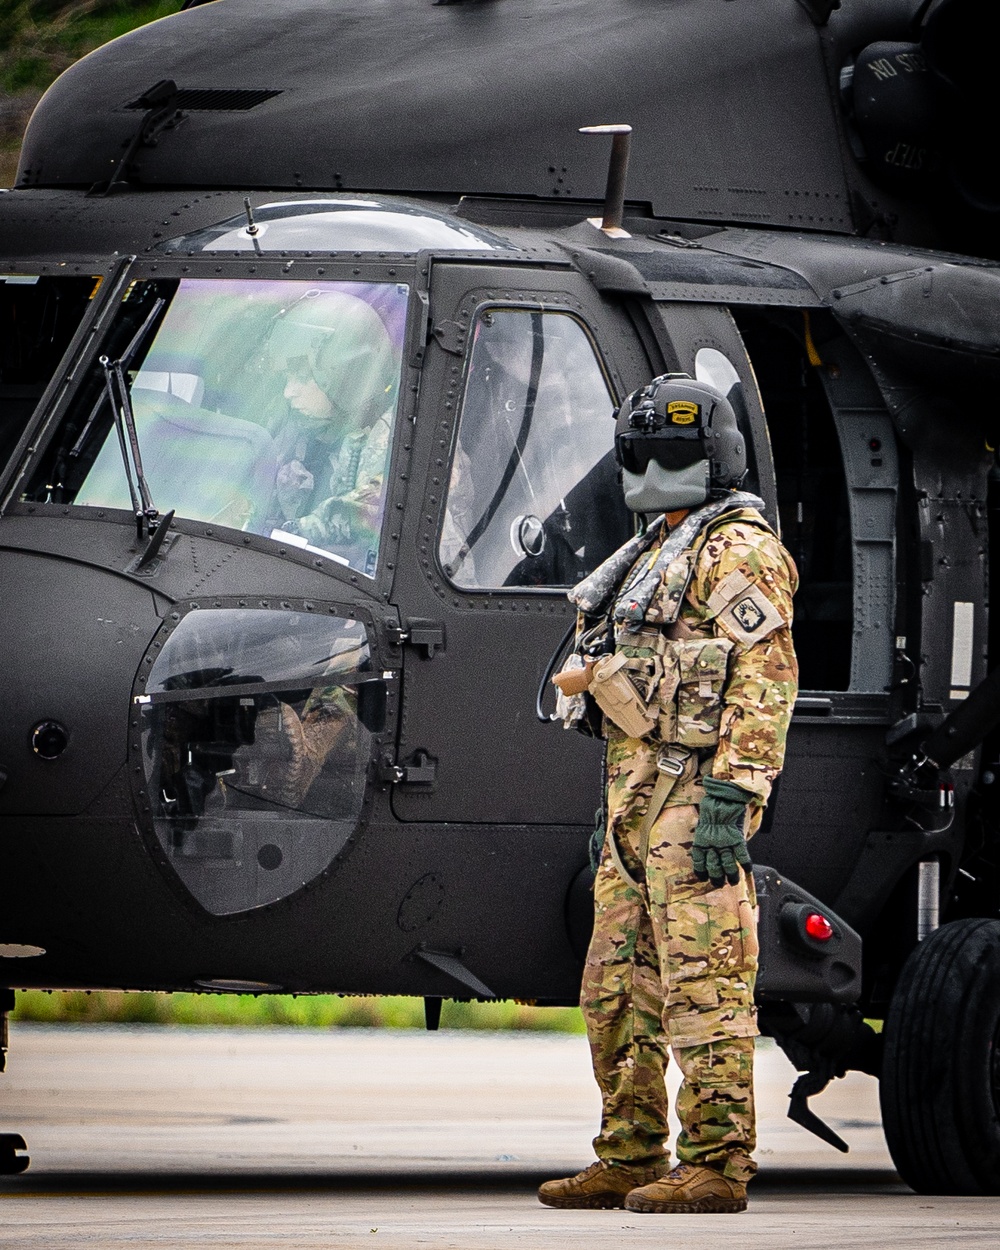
[337, 360]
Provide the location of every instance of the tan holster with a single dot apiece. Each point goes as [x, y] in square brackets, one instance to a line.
[614, 693]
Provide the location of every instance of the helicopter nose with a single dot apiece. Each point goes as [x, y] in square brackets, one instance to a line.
[73, 637]
[237, 740]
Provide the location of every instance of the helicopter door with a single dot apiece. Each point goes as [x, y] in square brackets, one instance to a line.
[521, 502]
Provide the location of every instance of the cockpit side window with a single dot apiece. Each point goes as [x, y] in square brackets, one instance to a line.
[260, 405]
[533, 499]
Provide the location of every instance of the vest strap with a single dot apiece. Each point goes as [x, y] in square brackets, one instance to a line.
[671, 765]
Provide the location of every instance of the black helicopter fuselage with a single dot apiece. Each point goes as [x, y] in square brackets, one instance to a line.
[243, 747]
[475, 816]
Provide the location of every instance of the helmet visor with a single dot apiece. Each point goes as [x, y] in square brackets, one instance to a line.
[635, 448]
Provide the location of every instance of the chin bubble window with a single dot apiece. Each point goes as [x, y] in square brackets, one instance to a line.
[256, 732]
[259, 405]
[533, 498]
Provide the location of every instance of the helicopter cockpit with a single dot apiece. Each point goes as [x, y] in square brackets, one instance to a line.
[244, 407]
[405, 413]
[266, 407]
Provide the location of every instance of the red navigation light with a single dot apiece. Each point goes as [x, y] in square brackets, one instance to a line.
[818, 927]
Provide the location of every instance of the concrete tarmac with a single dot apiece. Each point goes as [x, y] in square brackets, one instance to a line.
[155, 1137]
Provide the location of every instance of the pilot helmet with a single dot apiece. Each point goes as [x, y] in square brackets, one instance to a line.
[341, 342]
[678, 444]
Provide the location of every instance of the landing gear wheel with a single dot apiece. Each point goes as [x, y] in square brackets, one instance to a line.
[940, 1088]
[10, 1161]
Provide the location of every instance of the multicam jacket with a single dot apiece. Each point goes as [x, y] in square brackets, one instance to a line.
[741, 590]
[713, 657]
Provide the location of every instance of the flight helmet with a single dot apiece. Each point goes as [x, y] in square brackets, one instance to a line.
[341, 342]
[678, 444]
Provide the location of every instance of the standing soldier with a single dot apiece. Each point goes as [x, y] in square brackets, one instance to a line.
[685, 646]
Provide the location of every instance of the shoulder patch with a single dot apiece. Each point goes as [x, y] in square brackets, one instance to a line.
[730, 588]
[750, 616]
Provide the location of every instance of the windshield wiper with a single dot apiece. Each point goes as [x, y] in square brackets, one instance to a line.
[126, 360]
[123, 416]
[161, 114]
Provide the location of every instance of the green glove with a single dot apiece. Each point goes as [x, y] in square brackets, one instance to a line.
[720, 845]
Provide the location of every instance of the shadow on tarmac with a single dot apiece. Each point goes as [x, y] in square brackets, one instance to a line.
[65, 1184]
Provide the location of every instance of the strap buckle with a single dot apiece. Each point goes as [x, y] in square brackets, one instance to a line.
[673, 761]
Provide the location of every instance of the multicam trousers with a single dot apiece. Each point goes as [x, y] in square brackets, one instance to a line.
[674, 972]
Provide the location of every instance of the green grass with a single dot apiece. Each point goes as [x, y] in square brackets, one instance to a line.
[41, 38]
[320, 1011]
[42, 45]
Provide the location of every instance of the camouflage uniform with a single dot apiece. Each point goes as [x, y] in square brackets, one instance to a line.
[348, 520]
[673, 965]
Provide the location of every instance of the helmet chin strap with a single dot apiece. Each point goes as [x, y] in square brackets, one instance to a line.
[667, 490]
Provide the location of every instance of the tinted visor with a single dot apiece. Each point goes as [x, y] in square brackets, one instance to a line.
[635, 448]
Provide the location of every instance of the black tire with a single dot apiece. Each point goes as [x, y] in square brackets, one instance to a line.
[940, 1088]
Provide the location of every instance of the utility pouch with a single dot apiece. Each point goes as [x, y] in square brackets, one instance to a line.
[615, 694]
[691, 691]
[690, 696]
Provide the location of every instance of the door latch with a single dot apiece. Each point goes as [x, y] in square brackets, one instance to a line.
[417, 632]
[419, 770]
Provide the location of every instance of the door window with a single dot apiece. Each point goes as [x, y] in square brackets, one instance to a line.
[715, 368]
[533, 498]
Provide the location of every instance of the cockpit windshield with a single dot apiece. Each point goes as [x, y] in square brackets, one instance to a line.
[261, 405]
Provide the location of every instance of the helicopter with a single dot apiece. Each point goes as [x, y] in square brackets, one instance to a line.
[264, 733]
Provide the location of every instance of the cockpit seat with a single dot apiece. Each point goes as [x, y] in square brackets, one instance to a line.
[205, 465]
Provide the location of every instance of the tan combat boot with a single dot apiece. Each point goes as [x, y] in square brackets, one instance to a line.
[688, 1190]
[601, 1186]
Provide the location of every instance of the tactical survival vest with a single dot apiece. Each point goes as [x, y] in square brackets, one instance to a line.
[659, 681]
